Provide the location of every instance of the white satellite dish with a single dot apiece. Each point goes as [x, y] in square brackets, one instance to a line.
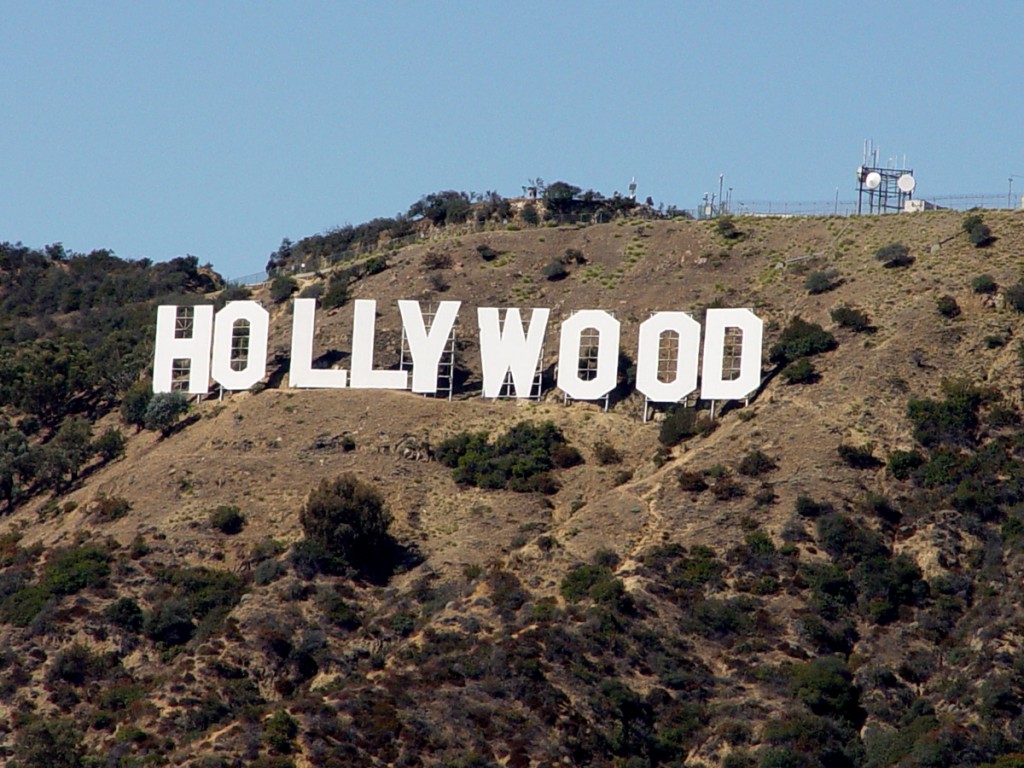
[873, 180]
[906, 183]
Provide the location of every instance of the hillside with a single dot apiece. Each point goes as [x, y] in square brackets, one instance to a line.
[831, 575]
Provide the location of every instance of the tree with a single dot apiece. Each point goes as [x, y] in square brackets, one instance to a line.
[68, 451]
[347, 518]
[134, 404]
[447, 207]
[559, 196]
[164, 410]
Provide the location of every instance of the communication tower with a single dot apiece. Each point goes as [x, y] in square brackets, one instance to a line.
[887, 189]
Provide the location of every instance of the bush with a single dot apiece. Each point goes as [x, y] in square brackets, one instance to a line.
[72, 570]
[859, 456]
[681, 423]
[847, 317]
[1015, 296]
[529, 214]
[336, 294]
[692, 482]
[135, 402]
[519, 460]
[164, 411]
[125, 614]
[227, 519]
[801, 339]
[826, 686]
[952, 421]
[555, 271]
[977, 231]
[280, 732]
[48, 743]
[111, 444]
[902, 463]
[894, 255]
[808, 507]
[487, 253]
[820, 282]
[110, 508]
[800, 372]
[755, 464]
[984, 284]
[606, 453]
[312, 291]
[947, 306]
[348, 519]
[434, 260]
[726, 227]
[282, 287]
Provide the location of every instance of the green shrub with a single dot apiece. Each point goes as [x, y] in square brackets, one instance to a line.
[282, 287]
[555, 271]
[164, 411]
[808, 507]
[75, 569]
[606, 453]
[977, 231]
[520, 460]
[312, 291]
[336, 294]
[110, 508]
[947, 306]
[348, 519]
[681, 423]
[692, 482]
[1015, 296]
[227, 519]
[726, 227]
[110, 445]
[435, 260]
[48, 743]
[801, 339]
[952, 421]
[487, 253]
[825, 685]
[135, 402]
[280, 731]
[800, 371]
[984, 284]
[755, 464]
[820, 282]
[847, 317]
[859, 456]
[169, 623]
[125, 614]
[894, 255]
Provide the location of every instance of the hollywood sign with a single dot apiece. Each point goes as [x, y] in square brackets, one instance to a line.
[508, 351]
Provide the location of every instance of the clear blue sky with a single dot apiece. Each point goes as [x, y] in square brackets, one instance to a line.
[217, 128]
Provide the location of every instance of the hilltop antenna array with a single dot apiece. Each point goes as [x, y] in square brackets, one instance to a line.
[887, 189]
